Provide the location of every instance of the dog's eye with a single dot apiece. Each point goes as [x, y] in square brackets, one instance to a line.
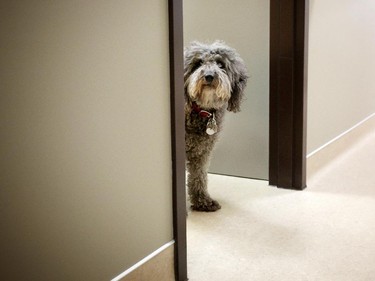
[220, 64]
[197, 64]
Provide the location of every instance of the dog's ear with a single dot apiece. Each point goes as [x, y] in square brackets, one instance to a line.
[191, 53]
[239, 81]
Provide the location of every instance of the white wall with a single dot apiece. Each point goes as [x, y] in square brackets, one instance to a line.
[85, 162]
[244, 25]
[341, 72]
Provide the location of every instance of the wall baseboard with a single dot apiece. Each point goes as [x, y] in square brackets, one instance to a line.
[159, 265]
[321, 157]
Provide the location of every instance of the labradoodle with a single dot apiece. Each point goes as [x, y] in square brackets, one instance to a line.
[215, 78]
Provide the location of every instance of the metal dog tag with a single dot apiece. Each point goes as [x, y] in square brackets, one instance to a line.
[211, 126]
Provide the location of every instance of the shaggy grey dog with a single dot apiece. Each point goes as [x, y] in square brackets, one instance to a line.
[215, 78]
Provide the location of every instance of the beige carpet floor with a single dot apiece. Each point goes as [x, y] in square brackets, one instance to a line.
[325, 233]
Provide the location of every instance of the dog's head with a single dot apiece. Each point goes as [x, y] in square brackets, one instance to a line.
[214, 76]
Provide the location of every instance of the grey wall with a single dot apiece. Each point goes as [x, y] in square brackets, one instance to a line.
[244, 25]
[341, 84]
[85, 164]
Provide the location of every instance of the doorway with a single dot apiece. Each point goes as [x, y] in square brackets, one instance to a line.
[287, 107]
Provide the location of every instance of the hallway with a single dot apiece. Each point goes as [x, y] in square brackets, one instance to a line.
[326, 232]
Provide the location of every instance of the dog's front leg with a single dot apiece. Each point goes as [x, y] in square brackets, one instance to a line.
[197, 185]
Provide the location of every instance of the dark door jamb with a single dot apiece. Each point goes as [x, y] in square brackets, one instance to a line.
[288, 81]
[178, 137]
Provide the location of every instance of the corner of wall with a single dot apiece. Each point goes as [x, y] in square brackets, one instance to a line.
[326, 154]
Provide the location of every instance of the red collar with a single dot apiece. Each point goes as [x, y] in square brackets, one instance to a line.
[202, 113]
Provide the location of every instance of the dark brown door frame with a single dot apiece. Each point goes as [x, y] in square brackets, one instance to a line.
[288, 64]
[178, 137]
[288, 81]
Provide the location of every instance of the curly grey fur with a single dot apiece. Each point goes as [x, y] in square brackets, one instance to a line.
[215, 78]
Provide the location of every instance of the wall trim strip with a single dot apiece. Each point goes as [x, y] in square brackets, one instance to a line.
[143, 261]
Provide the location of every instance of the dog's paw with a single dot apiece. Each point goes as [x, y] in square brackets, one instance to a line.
[206, 206]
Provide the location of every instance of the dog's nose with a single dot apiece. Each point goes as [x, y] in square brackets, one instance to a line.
[209, 78]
